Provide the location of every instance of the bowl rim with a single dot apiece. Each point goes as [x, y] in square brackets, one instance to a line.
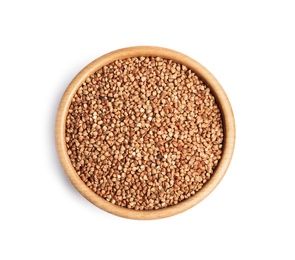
[136, 51]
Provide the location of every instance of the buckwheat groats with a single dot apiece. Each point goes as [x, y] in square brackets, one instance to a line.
[144, 133]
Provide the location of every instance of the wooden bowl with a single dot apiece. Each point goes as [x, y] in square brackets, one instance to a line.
[203, 74]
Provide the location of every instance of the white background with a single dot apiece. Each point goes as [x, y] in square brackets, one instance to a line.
[250, 48]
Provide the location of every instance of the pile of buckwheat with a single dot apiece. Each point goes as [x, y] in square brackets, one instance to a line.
[144, 133]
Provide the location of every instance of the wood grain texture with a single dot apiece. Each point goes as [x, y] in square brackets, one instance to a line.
[204, 74]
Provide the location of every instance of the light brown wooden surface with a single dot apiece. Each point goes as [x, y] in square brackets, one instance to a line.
[204, 74]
